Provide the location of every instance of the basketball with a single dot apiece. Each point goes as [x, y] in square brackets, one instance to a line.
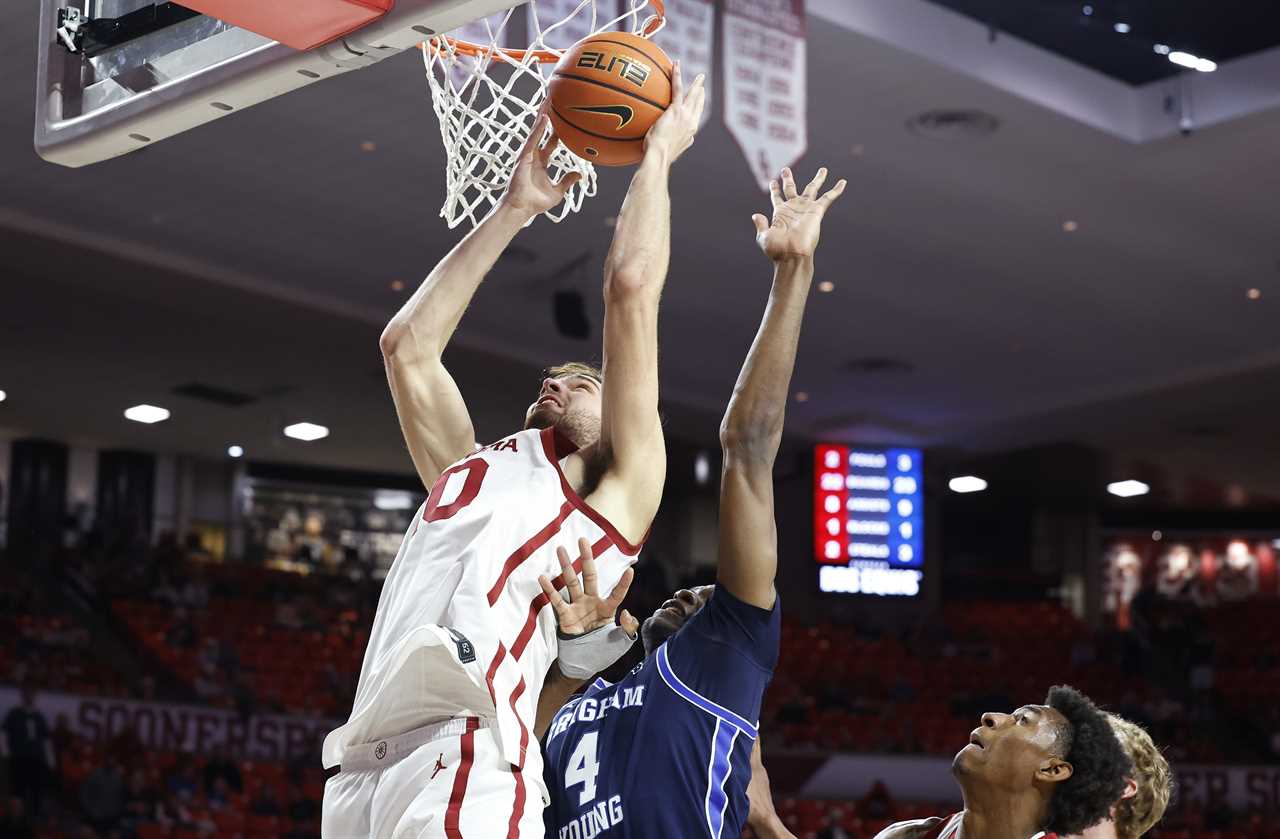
[605, 93]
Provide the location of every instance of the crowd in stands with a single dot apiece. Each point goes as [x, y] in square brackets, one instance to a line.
[253, 640]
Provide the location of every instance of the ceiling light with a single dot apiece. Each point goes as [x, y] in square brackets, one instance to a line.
[702, 468]
[1088, 11]
[1156, 536]
[801, 396]
[3, 396]
[397, 285]
[393, 499]
[826, 286]
[1128, 489]
[1276, 543]
[1254, 294]
[1123, 28]
[235, 451]
[146, 413]
[1192, 62]
[307, 431]
[1162, 49]
[368, 146]
[1070, 226]
[967, 483]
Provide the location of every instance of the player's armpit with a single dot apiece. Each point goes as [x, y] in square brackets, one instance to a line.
[433, 416]
[762, 818]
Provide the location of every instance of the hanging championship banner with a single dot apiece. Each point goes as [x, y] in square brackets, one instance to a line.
[687, 38]
[764, 82]
[546, 13]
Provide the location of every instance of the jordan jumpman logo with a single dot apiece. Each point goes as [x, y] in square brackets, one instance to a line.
[439, 765]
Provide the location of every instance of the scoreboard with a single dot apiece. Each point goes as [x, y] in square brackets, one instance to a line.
[868, 519]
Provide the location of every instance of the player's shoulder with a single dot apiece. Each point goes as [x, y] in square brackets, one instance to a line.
[916, 828]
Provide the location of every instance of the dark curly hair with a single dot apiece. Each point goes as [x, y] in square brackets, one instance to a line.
[1098, 758]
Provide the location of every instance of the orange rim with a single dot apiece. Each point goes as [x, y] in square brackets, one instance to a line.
[652, 25]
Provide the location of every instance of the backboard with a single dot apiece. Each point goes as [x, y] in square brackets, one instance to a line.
[115, 76]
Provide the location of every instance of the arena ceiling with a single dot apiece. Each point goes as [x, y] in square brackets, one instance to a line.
[257, 255]
[1116, 37]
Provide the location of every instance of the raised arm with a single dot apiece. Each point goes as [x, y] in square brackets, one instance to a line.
[433, 415]
[635, 271]
[752, 427]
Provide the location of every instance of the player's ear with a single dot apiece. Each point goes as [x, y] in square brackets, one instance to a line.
[1130, 789]
[1054, 770]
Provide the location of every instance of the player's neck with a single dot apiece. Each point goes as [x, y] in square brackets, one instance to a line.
[1102, 830]
[1001, 816]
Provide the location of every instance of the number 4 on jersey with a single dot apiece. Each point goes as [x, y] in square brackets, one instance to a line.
[583, 768]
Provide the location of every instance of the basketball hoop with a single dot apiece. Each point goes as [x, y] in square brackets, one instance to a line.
[486, 116]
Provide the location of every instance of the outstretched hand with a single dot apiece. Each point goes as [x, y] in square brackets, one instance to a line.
[674, 131]
[797, 217]
[531, 190]
[585, 610]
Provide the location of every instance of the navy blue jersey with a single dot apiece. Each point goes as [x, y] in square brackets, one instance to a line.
[666, 752]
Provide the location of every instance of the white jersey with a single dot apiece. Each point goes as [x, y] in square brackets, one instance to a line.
[462, 627]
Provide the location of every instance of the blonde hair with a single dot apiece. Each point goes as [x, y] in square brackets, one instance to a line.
[1136, 815]
[574, 368]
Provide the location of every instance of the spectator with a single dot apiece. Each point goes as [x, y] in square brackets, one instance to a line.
[15, 822]
[30, 751]
[266, 802]
[102, 795]
[181, 634]
[219, 795]
[140, 798]
[222, 768]
[302, 808]
[877, 804]
[833, 830]
[182, 781]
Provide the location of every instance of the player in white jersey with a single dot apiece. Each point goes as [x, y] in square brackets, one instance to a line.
[439, 740]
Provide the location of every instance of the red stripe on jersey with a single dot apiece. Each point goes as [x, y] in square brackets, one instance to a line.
[524, 732]
[517, 812]
[493, 671]
[523, 552]
[540, 602]
[553, 445]
[468, 753]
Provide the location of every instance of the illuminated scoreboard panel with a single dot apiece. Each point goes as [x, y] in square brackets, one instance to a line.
[868, 519]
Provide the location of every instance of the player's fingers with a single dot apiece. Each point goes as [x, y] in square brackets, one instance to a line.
[816, 184]
[566, 183]
[535, 134]
[588, 567]
[629, 624]
[553, 596]
[762, 223]
[699, 100]
[620, 590]
[788, 183]
[775, 193]
[568, 575]
[677, 83]
[546, 151]
[832, 194]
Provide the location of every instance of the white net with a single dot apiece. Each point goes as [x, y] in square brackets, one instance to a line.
[487, 96]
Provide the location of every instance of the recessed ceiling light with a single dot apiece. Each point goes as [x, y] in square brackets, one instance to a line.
[368, 146]
[1128, 489]
[1123, 28]
[3, 396]
[1070, 226]
[967, 483]
[610, 221]
[858, 150]
[1156, 536]
[702, 469]
[397, 285]
[146, 413]
[802, 396]
[1204, 65]
[235, 451]
[393, 499]
[307, 431]
[826, 286]
[1088, 11]
[1162, 49]
[1255, 294]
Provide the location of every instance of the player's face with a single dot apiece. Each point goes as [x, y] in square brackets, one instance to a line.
[570, 403]
[1007, 750]
[673, 614]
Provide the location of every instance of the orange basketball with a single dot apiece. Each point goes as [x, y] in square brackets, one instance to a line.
[605, 93]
